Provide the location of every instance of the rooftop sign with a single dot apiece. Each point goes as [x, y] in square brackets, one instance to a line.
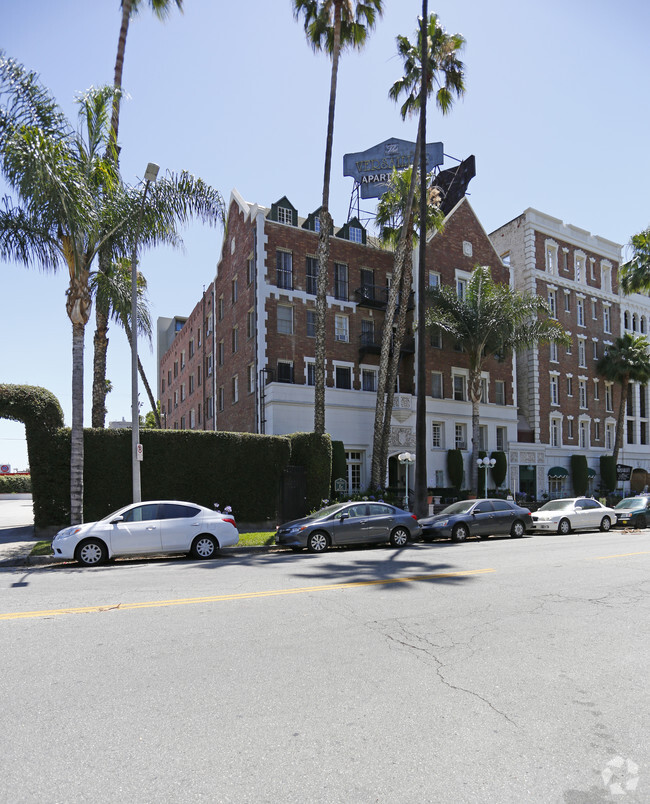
[372, 169]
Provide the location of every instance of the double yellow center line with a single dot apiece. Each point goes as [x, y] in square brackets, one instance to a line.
[21, 615]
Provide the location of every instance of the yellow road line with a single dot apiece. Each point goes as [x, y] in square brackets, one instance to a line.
[622, 555]
[19, 615]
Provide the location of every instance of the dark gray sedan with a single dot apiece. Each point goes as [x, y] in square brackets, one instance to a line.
[480, 518]
[349, 523]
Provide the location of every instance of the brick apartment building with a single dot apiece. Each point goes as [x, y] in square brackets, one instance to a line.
[258, 364]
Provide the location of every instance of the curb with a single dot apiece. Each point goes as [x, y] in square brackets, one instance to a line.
[43, 561]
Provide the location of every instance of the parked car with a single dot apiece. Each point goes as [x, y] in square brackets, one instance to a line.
[574, 513]
[157, 526]
[633, 512]
[480, 518]
[349, 523]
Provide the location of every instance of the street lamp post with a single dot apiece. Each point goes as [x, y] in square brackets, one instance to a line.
[406, 458]
[150, 175]
[486, 463]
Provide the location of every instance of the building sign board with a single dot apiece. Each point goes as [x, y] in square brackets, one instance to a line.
[373, 168]
[623, 472]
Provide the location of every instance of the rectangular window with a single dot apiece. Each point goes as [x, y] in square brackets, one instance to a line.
[169, 377]
[434, 279]
[500, 392]
[182, 360]
[609, 437]
[482, 438]
[340, 281]
[435, 339]
[459, 387]
[367, 284]
[192, 419]
[552, 303]
[502, 434]
[311, 323]
[460, 436]
[284, 269]
[311, 374]
[355, 234]
[221, 398]
[234, 290]
[235, 339]
[596, 431]
[341, 328]
[569, 428]
[175, 369]
[607, 318]
[580, 308]
[285, 371]
[567, 302]
[484, 391]
[285, 319]
[312, 275]
[555, 398]
[251, 377]
[285, 215]
[594, 308]
[436, 385]
[555, 432]
[582, 393]
[461, 288]
[191, 381]
[209, 407]
[609, 405]
[235, 389]
[582, 357]
[569, 386]
[343, 377]
[551, 259]
[220, 309]
[368, 380]
[191, 348]
[553, 351]
[583, 436]
[595, 349]
[250, 270]
[250, 324]
[220, 353]
[198, 337]
[209, 365]
[436, 432]
[198, 375]
[182, 392]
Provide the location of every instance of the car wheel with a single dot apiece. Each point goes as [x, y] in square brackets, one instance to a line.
[564, 527]
[640, 521]
[517, 530]
[459, 533]
[317, 542]
[91, 553]
[204, 546]
[606, 524]
[399, 537]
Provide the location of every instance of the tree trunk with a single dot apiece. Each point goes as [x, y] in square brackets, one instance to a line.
[620, 422]
[324, 241]
[100, 348]
[77, 430]
[143, 377]
[119, 67]
[475, 397]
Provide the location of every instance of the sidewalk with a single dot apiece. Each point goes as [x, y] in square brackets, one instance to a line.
[16, 531]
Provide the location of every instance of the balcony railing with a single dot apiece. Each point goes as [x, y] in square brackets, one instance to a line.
[376, 296]
[369, 343]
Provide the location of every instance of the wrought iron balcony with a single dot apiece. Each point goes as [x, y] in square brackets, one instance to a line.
[376, 296]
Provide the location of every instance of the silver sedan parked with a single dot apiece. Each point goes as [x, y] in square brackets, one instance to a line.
[573, 513]
[362, 522]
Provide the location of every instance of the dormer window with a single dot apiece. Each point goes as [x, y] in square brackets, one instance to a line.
[285, 216]
[355, 234]
[317, 224]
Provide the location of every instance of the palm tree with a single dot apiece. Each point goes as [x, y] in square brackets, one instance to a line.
[161, 9]
[635, 274]
[433, 63]
[331, 25]
[625, 361]
[491, 320]
[399, 224]
[112, 290]
[71, 202]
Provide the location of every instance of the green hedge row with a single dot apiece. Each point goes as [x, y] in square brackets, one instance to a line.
[15, 484]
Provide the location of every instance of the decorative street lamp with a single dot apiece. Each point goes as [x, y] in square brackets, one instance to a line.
[150, 175]
[406, 458]
[486, 463]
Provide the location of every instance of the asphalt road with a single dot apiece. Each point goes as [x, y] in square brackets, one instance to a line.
[502, 671]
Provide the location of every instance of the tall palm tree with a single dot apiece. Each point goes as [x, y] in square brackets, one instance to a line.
[399, 224]
[112, 290]
[491, 319]
[625, 361]
[161, 8]
[635, 274]
[70, 202]
[331, 25]
[432, 64]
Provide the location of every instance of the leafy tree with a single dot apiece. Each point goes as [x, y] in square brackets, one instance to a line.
[625, 361]
[161, 8]
[331, 25]
[70, 202]
[491, 319]
[635, 274]
[399, 223]
[431, 64]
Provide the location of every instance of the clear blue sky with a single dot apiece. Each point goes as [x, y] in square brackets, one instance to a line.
[556, 112]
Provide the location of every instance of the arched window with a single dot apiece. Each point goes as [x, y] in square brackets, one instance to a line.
[626, 320]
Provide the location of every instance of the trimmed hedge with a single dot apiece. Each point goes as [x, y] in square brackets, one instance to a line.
[314, 452]
[500, 470]
[579, 474]
[339, 466]
[15, 484]
[608, 477]
[455, 467]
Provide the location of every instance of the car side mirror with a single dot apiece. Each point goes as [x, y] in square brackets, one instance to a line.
[344, 515]
[117, 519]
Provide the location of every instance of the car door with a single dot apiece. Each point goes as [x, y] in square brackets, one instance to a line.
[352, 526]
[138, 532]
[504, 516]
[593, 512]
[179, 524]
[482, 519]
[381, 520]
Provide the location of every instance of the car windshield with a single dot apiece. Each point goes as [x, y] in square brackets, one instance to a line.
[632, 504]
[328, 511]
[556, 505]
[461, 507]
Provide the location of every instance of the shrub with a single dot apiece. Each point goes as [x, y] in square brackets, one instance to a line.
[608, 473]
[15, 484]
[579, 474]
[500, 470]
[455, 467]
[339, 466]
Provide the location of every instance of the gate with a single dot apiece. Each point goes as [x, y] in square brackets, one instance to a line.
[293, 493]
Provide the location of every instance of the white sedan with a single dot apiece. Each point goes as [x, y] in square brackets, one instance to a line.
[156, 526]
[563, 516]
